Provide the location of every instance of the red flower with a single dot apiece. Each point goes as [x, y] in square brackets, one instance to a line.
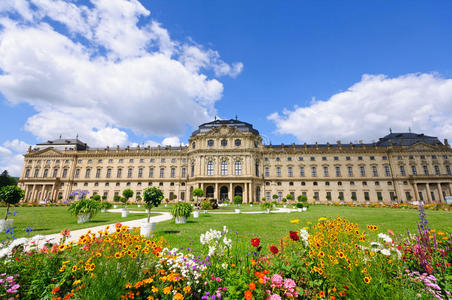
[294, 236]
[255, 242]
[56, 290]
[274, 250]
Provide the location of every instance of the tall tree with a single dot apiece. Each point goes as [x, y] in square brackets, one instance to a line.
[6, 180]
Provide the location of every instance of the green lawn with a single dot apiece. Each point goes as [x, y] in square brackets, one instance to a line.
[271, 227]
[47, 220]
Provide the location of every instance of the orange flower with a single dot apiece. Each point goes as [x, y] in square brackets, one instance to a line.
[333, 298]
[321, 294]
[178, 296]
[252, 286]
[56, 290]
[342, 293]
[248, 295]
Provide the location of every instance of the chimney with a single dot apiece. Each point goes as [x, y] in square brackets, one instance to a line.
[446, 143]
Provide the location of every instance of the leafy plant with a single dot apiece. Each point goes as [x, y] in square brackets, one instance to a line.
[206, 205]
[96, 197]
[284, 200]
[181, 210]
[106, 205]
[153, 198]
[198, 193]
[237, 200]
[275, 196]
[266, 205]
[84, 206]
[127, 193]
[11, 195]
[117, 198]
[289, 197]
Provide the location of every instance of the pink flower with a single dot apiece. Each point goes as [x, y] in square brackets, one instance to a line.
[289, 283]
[274, 297]
[277, 281]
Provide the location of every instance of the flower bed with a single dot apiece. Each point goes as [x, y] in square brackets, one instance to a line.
[331, 259]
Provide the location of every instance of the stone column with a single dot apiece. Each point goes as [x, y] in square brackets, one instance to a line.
[440, 192]
[216, 193]
[230, 192]
[245, 193]
[52, 192]
[33, 193]
[416, 192]
[429, 195]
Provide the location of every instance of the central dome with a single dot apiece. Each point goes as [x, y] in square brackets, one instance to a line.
[242, 126]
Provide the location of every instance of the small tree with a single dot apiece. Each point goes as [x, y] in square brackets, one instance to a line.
[264, 199]
[275, 197]
[173, 197]
[237, 200]
[289, 197]
[96, 197]
[127, 193]
[11, 195]
[284, 200]
[117, 198]
[198, 193]
[152, 197]
[138, 199]
[104, 197]
[302, 198]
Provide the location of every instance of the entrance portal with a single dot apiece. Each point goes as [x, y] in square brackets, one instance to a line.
[209, 191]
[223, 193]
[238, 191]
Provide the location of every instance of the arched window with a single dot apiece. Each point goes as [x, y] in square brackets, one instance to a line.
[238, 168]
[224, 168]
[210, 168]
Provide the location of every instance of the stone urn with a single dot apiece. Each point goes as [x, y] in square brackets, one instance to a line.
[196, 214]
[181, 220]
[147, 229]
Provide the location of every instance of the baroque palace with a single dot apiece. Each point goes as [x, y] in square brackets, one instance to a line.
[227, 158]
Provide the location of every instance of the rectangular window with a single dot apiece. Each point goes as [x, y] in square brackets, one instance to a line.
[192, 170]
[301, 171]
[328, 196]
[184, 172]
[55, 172]
[119, 173]
[210, 168]
[290, 172]
[437, 170]
[354, 196]
[408, 196]
[384, 157]
[387, 171]
[392, 196]
[162, 172]
[316, 196]
[312, 158]
[140, 172]
[121, 161]
[267, 196]
[279, 196]
[448, 170]
[64, 173]
[425, 170]
[173, 172]
[421, 197]
[362, 170]
[267, 172]
[87, 173]
[413, 170]
[402, 170]
[325, 171]
[129, 173]
[97, 173]
[77, 173]
[379, 196]
[341, 196]
[151, 172]
[108, 173]
[374, 171]
[238, 168]
[336, 158]
[110, 161]
[46, 171]
[350, 171]
[324, 158]
[366, 196]
[314, 172]
[338, 171]
[278, 171]
[163, 160]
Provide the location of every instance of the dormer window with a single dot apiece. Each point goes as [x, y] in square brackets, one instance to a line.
[238, 142]
[224, 142]
[210, 143]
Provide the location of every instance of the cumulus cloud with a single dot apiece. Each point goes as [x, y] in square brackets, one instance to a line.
[11, 156]
[100, 69]
[422, 102]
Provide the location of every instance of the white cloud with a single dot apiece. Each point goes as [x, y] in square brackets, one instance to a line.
[172, 141]
[104, 73]
[11, 156]
[422, 102]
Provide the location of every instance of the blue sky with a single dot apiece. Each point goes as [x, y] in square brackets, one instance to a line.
[300, 71]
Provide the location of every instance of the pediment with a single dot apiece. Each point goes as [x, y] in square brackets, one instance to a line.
[224, 130]
[46, 152]
[421, 147]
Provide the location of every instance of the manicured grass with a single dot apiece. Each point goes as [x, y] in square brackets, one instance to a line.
[47, 220]
[229, 208]
[272, 227]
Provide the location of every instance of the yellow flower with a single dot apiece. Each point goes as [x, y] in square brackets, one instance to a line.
[296, 221]
[128, 285]
[154, 289]
[367, 279]
[98, 254]
[178, 296]
[322, 219]
[167, 290]
[187, 289]
[76, 282]
[74, 268]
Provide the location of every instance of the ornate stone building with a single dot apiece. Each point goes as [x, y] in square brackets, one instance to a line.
[227, 158]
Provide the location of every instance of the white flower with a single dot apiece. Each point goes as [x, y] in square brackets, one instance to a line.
[227, 242]
[386, 238]
[376, 244]
[386, 252]
[224, 265]
[304, 235]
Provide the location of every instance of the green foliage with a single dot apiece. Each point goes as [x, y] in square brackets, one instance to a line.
[117, 198]
[139, 198]
[284, 200]
[127, 193]
[266, 205]
[181, 209]
[206, 205]
[289, 197]
[106, 205]
[237, 200]
[96, 197]
[299, 205]
[10, 194]
[6, 180]
[302, 198]
[153, 198]
[263, 199]
[198, 192]
[275, 196]
[123, 200]
[84, 206]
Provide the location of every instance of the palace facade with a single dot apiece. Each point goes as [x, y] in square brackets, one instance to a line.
[227, 158]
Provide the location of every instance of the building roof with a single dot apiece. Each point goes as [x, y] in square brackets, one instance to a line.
[242, 126]
[407, 139]
[64, 142]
